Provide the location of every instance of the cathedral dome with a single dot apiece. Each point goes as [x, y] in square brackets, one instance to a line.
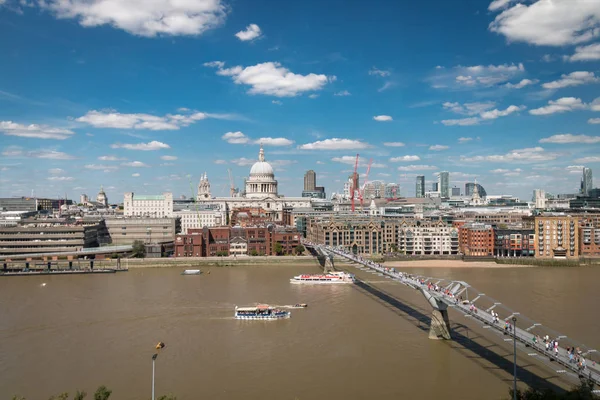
[261, 182]
[261, 167]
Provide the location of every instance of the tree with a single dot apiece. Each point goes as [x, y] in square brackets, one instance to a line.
[62, 396]
[139, 249]
[394, 248]
[253, 252]
[79, 395]
[102, 393]
[278, 248]
[299, 250]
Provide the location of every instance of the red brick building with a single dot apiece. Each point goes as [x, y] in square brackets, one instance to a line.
[589, 235]
[476, 240]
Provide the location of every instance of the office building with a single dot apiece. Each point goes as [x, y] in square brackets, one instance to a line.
[586, 181]
[557, 236]
[310, 180]
[469, 186]
[539, 196]
[455, 192]
[157, 206]
[420, 186]
[476, 239]
[435, 186]
[125, 231]
[444, 184]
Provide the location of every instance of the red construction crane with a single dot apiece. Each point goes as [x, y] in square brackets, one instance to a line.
[353, 185]
[360, 194]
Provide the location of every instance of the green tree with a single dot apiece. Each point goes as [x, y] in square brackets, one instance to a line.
[79, 395]
[102, 393]
[278, 248]
[62, 396]
[299, 250]
[139, 250]
[394, 248]
[253, 252]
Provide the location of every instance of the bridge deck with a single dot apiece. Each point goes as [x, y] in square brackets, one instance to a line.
[449, 295]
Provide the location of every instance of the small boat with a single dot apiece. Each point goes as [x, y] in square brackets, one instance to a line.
[261, 312]
[191, 272]
[330, 278]
[300, 305]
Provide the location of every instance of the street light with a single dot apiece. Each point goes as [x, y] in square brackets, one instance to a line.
[514, 320]
[153, 360]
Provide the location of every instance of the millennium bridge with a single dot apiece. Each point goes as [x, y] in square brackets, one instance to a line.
[443, 294]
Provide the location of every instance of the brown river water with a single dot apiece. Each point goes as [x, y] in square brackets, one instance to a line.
[82, 331]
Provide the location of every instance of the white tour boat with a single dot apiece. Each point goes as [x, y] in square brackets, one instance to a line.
[191, 272]
[330, 278]
[261, 312]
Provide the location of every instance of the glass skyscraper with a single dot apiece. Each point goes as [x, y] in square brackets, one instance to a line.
[420, 188]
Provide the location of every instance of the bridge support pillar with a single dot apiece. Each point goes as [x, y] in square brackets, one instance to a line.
[440, 323]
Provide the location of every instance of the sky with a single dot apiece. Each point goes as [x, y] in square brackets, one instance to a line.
[145, 96]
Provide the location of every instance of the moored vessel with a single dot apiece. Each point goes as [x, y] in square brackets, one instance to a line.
[261, 312]
[329, 278]
[191, 272]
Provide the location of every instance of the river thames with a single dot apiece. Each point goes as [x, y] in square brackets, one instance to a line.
[82, 331]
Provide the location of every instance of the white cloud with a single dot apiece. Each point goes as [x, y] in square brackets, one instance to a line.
[168, 158]
[135, 164]
[550, 22]
[100, 167]
[335, 144]
[379, 72]
[595, 105]
[270, 78]
[476, 76]
[393, 144]
[142, 17]
[586, 53]
[594, 121]
[15, 151]
[60, 178]
[585, 160]
[573, 79]
[527, 155]
[570, 138]
[135, 175]
[521, 84]
[269, 141]
[493, 114]
[320, 162]
[417, 168]
[461, 122]
[499, 4]
[343, 93]
[564, 104]
[111, 158]
[10, 128]
[464, 139]
[236, 138]
[468, 108]
[277, 102]
[313, 96]
[407, 158]
[243, 162]
[351, 160]
[150, 146]
[438, 147]
[56, 171]
[383, 118]
[386, 86]
[499, 171]
[220, 162]
[252, 32]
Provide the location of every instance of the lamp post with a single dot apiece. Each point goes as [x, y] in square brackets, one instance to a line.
[514, 320]
[153, 361]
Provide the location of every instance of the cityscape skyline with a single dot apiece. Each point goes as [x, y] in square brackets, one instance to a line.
[147, 110]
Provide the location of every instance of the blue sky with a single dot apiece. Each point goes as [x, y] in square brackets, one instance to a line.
[138, 95]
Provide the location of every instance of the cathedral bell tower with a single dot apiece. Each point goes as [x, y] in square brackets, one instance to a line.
[204, 188]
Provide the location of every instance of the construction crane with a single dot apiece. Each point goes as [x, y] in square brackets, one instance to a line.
[353, 183]
[361, 193]
[231, 185]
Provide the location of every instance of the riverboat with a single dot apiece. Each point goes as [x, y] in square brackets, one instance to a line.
[261, 312]
[191, 272]
[330, 278]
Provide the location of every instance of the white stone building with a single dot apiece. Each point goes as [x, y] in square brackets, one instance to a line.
[197, 219]
[148, 205]
[101, 198]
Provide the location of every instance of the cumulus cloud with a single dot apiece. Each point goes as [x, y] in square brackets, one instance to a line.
[343, 93]
[493, 114]
[586, 53]
[220, 162]
[277, 102]
[335, 144]
[251, 32]
[417, 168]
[168, 158]
[137, 174]
[110, 158]
[113, 119]
[564, 104]
[549, 22]
[480, 108]
[438, 147]
[573, 79]
[476, 76]
[135, 164]
[586, 160]
[270, 78]
[461, 121]
[10, 128]
[393, 144]
[100, 167]
[468, 108]
[499, 4]
[60, 178]
[464, 139]
[269, 141]
[236, 138]
[407, 158]
[570, 138]
[521, 84]
[362, 162]
[379, 72]
[527, 155]
[56, 171]
[150, 146]
[594, 121]
[14, 151]
[142, 17]
[383, 118]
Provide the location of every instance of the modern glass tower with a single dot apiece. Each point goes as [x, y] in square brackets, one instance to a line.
[586, 181]
[444, 184]
[420, 188]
